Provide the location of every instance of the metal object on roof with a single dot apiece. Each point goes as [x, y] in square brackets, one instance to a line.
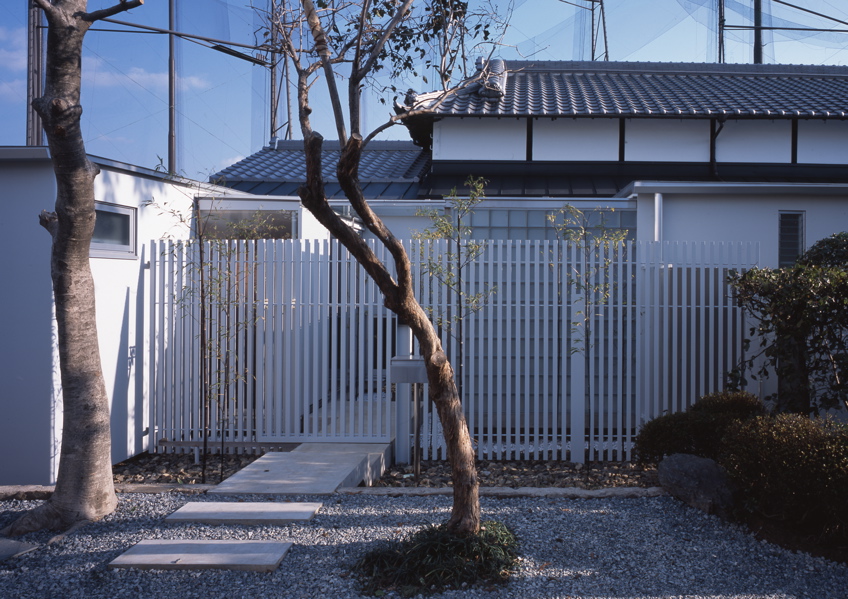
[389, 170]
[677, 90]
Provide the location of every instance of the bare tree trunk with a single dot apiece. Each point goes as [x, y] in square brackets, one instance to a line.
[84, 488]
[400, 299]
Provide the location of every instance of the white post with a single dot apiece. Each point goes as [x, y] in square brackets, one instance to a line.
[403, 400]
[577, 362]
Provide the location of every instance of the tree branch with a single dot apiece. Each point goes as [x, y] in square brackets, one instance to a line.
[348, 176]
[43, 5]
[313, 197]
[50, 221]
[378, 47]
[322, 47]
[124, 6]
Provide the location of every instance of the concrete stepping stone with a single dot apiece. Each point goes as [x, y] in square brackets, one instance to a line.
[165, 554]
[245, 512]
[10, 548]
[310, 469]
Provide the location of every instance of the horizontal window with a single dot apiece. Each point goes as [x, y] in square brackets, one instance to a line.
[114, 231]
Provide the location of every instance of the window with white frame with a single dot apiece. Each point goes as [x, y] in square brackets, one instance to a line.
[790, 237]
[114, 231]
[503, 224]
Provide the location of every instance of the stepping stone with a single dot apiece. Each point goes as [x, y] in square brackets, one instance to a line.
[311, 469]
[10, 548]
[162, 554]
[245, 513]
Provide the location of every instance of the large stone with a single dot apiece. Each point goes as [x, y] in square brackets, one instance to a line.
[697, 482]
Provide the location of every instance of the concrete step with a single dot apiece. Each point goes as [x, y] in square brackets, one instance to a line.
[10, 548]
[311, 469]
[247, 513]
[165, 554]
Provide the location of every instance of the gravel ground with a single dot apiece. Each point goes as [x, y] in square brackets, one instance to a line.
[616, 548]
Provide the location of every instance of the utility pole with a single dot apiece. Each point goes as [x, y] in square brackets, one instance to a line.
[721, 57]
[758, 31]
[35, 75]
[274, 99]
[172, 89]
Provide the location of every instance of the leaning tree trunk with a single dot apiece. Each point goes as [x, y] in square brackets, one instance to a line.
[398, 297]
[84, 487]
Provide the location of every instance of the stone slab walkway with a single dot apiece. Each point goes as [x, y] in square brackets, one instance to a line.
[247, 513]
[205, 554]
[311, 469]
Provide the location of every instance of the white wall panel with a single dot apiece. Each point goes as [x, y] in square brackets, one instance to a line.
[755, 141]
[741, 218]
[480, 139]
[823, 142]
[575, 139]
[667, 140]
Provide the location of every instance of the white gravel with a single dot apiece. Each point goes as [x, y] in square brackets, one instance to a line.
[571, 548]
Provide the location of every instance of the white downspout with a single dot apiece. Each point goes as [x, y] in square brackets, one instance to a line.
[658, 216]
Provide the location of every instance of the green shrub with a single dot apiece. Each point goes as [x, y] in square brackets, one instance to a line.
[433, 559]
[698, 430]
[792, 469]
[739, 404]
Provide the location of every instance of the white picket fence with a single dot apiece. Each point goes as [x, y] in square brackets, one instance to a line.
[569, 354]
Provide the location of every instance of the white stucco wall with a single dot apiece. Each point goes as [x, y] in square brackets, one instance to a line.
[31, 392]
[480, 139]
[121, 288]
[742, 216]
[667, 140]
[575, 139]
[755, 141]
[823, 142]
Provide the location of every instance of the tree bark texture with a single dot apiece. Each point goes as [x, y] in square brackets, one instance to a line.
[84, 487]
[399, 298]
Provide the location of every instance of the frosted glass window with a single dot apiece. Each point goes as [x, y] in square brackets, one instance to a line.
[114, 231]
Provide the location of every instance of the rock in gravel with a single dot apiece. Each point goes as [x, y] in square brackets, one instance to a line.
[698, 482]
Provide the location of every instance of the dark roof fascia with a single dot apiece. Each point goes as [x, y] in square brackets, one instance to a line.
[21, 153]
[679, 68]
[736, 188]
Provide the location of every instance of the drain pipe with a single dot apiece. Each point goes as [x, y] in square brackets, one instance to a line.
[658, 216]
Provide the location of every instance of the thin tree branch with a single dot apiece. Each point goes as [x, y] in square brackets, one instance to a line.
[124, 6]
[43, 5]
[348, 176]
[378, 47]
[313, 197]
[323, 50]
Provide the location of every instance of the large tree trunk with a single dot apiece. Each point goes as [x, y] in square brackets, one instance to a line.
[84, 487]
[399, 298]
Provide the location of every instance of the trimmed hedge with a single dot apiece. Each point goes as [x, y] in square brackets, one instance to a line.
[793, 469]
[699, 429]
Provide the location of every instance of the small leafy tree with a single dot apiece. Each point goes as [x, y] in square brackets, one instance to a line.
[596, 247]
[447, 267]
[801, 314]
[217, 293]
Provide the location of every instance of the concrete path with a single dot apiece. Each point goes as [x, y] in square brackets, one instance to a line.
[164, 554]
[311, 469]
[252, 513]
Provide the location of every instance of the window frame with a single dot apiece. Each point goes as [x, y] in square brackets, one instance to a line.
[126, 251]
[801, 232]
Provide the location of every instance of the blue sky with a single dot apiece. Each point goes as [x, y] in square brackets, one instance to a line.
[223, 101]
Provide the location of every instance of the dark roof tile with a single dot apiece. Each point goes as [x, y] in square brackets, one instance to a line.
[661, 89]
[390, 169]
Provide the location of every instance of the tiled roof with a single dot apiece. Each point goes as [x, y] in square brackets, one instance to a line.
[679, 90]
[388, 166]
